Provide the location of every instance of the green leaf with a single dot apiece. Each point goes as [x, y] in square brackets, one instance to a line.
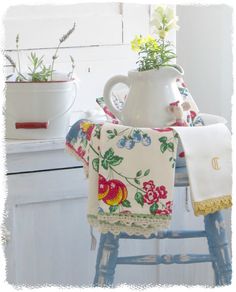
[116, 160]
[115, 132]
[139, 173]
[95, 164]
[112, 209]
[139, 198]
[171, 146]
[109, 131]
[153, 208]
[105, 164]
[170, 158]
[147, 172]
[109, 154]
[163, 147]
[84, 143]
[137, 181]
[126, 204]
[111, 136]
[163, 139]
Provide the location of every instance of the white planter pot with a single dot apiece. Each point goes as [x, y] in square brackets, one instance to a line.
[39, 110]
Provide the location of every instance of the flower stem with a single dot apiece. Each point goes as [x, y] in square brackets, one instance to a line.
[54, 58]
[94, 150]
[127, 179]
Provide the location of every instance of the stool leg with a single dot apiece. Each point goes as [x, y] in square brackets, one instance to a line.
[106, 260]
[218, 248]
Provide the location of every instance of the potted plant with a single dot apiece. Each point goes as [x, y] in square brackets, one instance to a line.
[152, 86]
[39, 102]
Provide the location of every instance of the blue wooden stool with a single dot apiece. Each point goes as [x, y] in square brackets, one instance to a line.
[219, 255]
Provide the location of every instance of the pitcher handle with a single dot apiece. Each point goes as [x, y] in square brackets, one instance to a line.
[107, 93]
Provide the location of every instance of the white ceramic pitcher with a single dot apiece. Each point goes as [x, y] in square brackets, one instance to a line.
[150, 93]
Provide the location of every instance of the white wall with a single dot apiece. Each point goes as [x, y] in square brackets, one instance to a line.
[100, 44]
[204, 49]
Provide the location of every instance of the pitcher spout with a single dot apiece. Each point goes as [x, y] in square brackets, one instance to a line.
[179, 70]
[172, 71]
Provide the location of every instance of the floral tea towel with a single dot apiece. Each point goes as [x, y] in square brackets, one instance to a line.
[131, 179]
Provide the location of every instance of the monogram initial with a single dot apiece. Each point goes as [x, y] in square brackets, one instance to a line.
[215, 163]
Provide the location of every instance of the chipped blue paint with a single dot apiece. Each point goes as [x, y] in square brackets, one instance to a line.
[219, 255]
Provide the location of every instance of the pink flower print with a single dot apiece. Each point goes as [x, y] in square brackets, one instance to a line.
[148, 186]
[162, 192]
[169, 206]
[89, 132]
[162, 212]
[80, 152]
[167, 210]
[163, 130]
[193, 115]
[150, 197]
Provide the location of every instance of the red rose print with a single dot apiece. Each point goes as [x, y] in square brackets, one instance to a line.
[162, 192]
[150, 197]
[149, 185]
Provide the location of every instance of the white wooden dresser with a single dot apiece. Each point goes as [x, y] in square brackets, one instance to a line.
[49, 237]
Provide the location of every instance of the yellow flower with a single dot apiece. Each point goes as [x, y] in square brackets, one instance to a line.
[136, 43]
[85, 126]
[151, 42]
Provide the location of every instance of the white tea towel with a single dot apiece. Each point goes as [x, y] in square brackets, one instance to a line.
[208, 158]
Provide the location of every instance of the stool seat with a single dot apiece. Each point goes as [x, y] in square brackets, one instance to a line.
[219, 255]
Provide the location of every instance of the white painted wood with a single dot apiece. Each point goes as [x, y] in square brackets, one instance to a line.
[51, 185]
[57, 11]
[50, 241]
[92, 29]
[135, 20]
[20, 146]
[50, 232]
[40, 160]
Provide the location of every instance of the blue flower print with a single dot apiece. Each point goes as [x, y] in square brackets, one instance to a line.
[136, 136]
[129, 144]
[146, 140]
[121, 142]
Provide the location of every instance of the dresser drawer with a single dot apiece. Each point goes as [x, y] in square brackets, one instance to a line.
[47, 186]
[40, 160]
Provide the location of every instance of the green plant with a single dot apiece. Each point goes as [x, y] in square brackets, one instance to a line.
[38, 71]
[156, 52]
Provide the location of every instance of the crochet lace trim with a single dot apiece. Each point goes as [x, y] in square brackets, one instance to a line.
[132, 225]
[212, 205]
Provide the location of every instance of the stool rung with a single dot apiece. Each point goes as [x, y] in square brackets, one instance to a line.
[164, 259]
[168, 234]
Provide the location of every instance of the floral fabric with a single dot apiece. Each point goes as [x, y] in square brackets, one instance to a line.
[131, 175]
